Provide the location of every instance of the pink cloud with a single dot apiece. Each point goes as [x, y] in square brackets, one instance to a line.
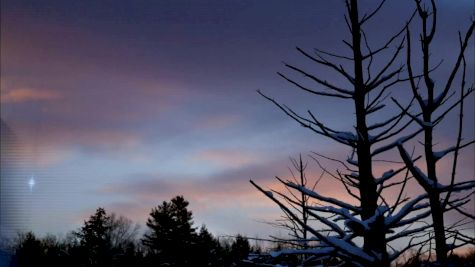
[229, 189]
[21, 95]
[213, 200]
[50, 145]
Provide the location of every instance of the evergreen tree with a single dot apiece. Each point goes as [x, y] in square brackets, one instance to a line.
[104, 240]
[208, 251]
[171, 235]
[240, 249]
[95, 242]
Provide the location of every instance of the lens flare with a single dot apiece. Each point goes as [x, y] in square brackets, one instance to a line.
[31, 183]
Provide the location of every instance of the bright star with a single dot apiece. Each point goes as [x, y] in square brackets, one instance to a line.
[31, 183]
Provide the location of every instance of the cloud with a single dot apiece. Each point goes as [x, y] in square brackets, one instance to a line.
[50, 145]
[228, 189]
[225, 201]
[21, 95]
[225, 157]
[222, 187]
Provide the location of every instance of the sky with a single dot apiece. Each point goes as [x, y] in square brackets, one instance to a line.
[125, 104]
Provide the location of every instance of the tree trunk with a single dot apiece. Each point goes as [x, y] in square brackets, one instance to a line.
[439, 230]
[374, 239]
[434, 195]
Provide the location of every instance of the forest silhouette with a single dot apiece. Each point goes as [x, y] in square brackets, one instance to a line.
[171, 239]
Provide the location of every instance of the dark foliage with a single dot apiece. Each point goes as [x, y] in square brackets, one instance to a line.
[171, 234]
[173, 241]
[94, 239]
[106, 240]
[240, 248]
[208, 251]
[31, 251]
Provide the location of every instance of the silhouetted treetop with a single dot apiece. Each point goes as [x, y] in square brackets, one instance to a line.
[171, 233]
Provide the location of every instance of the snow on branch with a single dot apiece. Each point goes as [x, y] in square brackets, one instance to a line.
[341, 245]
[440, 154]
[322, 219]
[312, 251]
[316, 126]
[393, 220]
[345, 137]
[388, 175]
[397, 142]
[316, 195]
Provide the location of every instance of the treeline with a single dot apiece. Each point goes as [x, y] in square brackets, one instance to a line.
[171, 239]
[109, 240]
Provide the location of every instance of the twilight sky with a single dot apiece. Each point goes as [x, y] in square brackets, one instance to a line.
[125, 104]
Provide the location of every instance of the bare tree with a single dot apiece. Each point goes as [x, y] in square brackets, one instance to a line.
[434, 105]
[123, 232]
[299, 203]
[371, 216]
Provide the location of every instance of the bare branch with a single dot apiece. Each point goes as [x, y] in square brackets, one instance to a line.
[319, 81]
[409, 70]
[323, 61]
[332, 54]
[398, 142]
[386, 45]
[370, 15]
[310, 90]
[448, 85]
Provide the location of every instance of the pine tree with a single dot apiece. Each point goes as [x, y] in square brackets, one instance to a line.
[171, 234]
[240, 248]
[208, 251]
[95, 240]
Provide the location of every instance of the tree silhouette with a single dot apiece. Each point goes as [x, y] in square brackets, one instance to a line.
[123, 232]
[298, 234]
[434, 105]
[367, 86]
[108, 240]
[28, 251]
[95, 240]
[123, 236]
[171, 233]
[55, 252]
[105, 240]
[240, 249]
[208, 251]
[369, 74]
